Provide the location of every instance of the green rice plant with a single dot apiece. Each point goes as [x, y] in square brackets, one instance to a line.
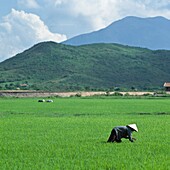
[71, 133]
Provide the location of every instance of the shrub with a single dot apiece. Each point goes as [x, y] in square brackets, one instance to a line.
[118, 94]
[78, 95]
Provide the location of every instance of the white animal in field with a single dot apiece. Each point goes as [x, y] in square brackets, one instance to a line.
[50, 101]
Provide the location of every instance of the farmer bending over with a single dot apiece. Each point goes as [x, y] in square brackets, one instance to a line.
[122, 132]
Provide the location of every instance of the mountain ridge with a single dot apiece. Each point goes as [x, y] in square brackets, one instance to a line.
[151, 32]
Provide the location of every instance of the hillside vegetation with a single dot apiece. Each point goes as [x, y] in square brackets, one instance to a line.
[58, 67]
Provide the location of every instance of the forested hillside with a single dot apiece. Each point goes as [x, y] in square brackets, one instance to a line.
[57, 67]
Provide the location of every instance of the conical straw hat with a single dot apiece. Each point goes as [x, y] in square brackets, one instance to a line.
[133, 126]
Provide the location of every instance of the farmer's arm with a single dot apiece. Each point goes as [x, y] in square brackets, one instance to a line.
[130, 136]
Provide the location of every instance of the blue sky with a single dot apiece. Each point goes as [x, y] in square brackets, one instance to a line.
[24, 23]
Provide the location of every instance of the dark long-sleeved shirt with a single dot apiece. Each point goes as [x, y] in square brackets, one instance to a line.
[123, 132]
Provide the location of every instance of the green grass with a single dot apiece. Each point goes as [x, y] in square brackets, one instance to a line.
[72, 133]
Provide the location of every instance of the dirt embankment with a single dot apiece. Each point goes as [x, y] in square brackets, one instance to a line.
[16, 93]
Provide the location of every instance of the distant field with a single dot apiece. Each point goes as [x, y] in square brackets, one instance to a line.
[71, 133]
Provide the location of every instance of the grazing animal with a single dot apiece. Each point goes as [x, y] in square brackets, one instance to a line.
[50, 101]
[122, 132]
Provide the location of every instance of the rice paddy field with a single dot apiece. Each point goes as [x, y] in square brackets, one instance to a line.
[71, 134]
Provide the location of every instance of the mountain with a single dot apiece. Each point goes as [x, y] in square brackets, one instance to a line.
[152, 33]
[58, 67]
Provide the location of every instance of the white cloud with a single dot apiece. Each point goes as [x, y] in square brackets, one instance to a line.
[100, 13]
[20, 30]
[28, 3]
[103, 12]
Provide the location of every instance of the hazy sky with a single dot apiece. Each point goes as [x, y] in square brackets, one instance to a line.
[24, 23]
